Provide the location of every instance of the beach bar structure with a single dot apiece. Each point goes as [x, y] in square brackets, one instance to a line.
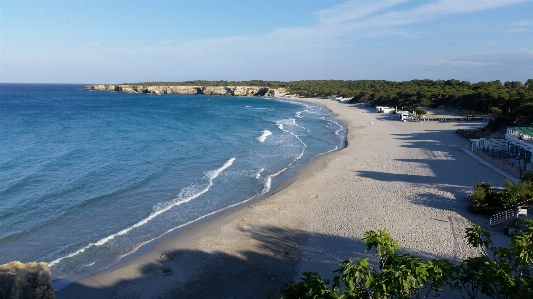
[515, 150]
[405, 115]
[523, 135]
[517, 137]
[385, 109]
[514, 155]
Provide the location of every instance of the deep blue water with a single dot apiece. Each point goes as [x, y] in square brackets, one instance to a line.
[91, 176]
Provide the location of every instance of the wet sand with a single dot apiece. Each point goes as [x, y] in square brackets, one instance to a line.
[411, 178]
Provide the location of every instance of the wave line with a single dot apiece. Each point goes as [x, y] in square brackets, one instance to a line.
[158, 210]
[264, 136]
[280, 124]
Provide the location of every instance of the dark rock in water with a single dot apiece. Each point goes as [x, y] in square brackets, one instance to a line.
[21, 281]
[167, 271]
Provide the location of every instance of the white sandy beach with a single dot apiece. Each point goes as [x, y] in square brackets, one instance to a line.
[411, 178]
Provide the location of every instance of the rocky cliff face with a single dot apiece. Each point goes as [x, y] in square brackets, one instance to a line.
[31, 280]
[206, 90]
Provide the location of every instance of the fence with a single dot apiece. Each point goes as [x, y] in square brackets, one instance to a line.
[511, 213]
[507, 167]
[443, 119]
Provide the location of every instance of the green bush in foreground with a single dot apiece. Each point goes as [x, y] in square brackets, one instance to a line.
[497, 273]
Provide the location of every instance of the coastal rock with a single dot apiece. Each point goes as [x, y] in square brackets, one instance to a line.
[205, 90]
[217, 90]
[244, 90]
[279, 92]
[126, 88]
[182, 89]
[154, 89]
[102, 87]
[30, 280]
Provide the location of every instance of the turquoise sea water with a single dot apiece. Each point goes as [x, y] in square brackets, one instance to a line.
[88, 177]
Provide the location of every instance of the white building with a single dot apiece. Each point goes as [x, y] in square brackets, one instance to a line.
[405, 115]
[384, 109]
[519, 138]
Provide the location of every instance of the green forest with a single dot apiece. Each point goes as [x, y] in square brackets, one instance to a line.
[510, 102]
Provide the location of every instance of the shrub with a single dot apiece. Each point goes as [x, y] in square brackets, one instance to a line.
[399, 275]
[499, 272]
[495, 110]
[523, 190]
[501, 201]
[420, 111]
[478, 199]
[484, 200]
[527, 177]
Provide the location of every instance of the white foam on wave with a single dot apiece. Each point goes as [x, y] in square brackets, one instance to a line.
[336, 147]
[268, 184]
[298, 114]
[281, 125]
[285, 122]
[266, 188]
[301, 127]
[264, 136]
[337, 132]
[185, 196]
[258, 174]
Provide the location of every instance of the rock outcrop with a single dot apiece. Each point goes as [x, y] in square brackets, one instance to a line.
[205, 90]
[31, 280]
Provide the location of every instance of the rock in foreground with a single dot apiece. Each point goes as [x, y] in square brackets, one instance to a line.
[31, 280]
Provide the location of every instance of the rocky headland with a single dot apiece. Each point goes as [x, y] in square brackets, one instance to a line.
[204, 90]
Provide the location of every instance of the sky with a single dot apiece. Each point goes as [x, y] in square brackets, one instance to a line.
[119, 41]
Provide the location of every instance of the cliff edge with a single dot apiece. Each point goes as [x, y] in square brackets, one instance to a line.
[30, 280]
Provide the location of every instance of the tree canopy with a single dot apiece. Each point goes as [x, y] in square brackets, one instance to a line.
[510, 102]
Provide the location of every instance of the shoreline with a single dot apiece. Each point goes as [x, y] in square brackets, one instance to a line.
[315, 218]
[188, 230]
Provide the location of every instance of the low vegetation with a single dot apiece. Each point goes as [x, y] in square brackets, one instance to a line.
[497, 273]
[511, 102]
[482, 133]
[486, 200]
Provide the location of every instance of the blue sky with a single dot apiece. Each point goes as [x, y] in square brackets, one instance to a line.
[112, 41]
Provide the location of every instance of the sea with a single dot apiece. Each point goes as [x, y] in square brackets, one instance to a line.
[87, 178]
